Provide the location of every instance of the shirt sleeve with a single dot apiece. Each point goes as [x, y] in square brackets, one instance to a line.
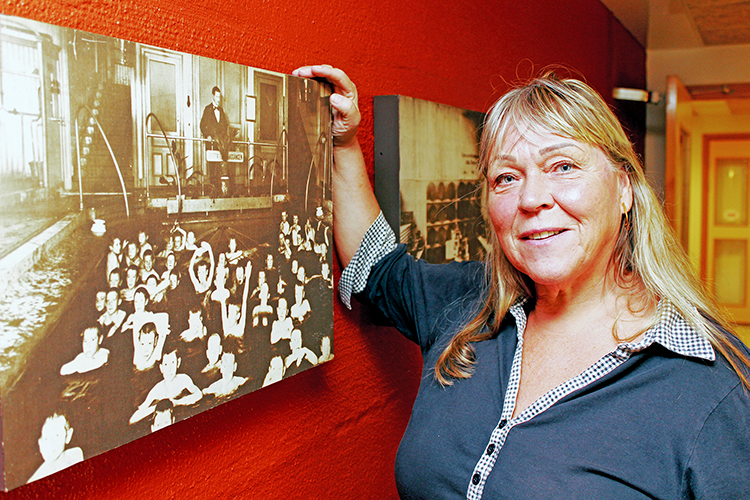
[377, 242]
[422, 300]
[719, 465]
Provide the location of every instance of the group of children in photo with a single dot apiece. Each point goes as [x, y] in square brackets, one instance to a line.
[187, 321]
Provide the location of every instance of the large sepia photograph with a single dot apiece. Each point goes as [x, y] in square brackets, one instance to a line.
[165, 233]
[426, 177]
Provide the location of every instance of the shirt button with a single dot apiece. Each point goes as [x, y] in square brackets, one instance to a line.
[475, 479]
[502, 424]
[490, 449]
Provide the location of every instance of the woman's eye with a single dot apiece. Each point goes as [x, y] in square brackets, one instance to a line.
[503, 179]
[565, 167]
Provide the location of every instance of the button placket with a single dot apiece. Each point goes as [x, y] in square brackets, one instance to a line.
[497, 439]
[487, 461]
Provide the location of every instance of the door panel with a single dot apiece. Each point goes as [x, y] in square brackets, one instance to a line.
[726, 222]
[163, 86]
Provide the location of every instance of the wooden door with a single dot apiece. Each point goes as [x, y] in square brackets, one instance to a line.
[727, 222]
[677, 166]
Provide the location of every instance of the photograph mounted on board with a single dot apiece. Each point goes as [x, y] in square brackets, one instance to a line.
[426, 178]
[165, 233]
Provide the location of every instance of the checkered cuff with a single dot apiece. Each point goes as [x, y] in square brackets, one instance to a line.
[377, 242]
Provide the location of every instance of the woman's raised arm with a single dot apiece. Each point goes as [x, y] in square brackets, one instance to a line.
[354, 203]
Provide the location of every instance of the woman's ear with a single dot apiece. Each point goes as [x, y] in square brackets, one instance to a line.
[626, 192]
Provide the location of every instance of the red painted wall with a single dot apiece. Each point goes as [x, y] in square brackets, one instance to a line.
[330, 432]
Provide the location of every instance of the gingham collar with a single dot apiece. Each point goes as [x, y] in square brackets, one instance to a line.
[670, 331]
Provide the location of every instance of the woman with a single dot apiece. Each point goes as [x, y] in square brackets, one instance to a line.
[583, 360]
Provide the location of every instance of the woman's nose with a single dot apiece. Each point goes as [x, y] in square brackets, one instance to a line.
[535, 193]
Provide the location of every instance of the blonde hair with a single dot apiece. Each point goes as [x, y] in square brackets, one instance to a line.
[646, 251]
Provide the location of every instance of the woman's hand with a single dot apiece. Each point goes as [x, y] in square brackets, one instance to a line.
[354, 203]
[346, 116]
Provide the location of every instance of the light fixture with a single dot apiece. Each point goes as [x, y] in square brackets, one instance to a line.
[625, 94]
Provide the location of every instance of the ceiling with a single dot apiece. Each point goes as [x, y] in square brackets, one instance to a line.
[677, 24]
[721, 22]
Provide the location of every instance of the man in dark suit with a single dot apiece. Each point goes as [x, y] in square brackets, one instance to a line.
[215, 127]
[214, 123]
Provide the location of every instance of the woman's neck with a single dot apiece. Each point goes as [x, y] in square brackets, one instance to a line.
[603, 307]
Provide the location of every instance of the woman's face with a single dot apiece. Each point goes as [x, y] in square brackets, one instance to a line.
[556, 206]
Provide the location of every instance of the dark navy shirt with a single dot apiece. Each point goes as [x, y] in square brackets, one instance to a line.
[661, 417]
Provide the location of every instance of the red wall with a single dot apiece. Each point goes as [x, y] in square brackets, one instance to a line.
[330, 432]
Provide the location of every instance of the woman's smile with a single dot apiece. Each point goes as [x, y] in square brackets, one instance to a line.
[536, 235]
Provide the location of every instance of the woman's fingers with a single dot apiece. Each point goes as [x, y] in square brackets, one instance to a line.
[341, 82]
[344, 100]
[337, 78]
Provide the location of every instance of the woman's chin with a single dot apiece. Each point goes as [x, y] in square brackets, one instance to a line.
[561, 277]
